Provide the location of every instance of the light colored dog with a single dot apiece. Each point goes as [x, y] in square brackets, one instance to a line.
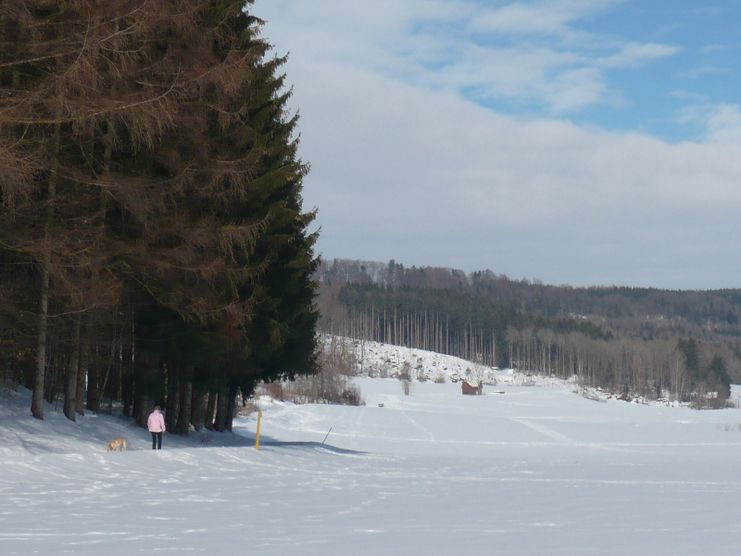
[117, 445]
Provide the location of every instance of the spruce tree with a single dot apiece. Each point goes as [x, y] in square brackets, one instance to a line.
[226, 247]
[150, 186]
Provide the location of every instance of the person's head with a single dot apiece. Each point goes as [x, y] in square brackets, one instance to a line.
[156, 408]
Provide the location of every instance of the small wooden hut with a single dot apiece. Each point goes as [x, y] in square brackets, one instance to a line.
[469, 389]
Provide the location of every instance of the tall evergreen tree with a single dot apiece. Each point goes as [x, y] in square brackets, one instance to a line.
[157, 190]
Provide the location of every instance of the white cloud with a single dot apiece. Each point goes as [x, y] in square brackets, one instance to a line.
[721, 122]
[430, 42]
[532, 74]
[522, 18]
[553, 17]
[405, 167]
[576, 88]
[724, 124]
[713, 48]
[633, 54]
[702, 72]
[687, 95]
[428, 178]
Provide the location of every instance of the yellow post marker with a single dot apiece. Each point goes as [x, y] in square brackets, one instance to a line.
[257, 435]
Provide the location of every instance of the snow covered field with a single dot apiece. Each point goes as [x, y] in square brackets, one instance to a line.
[535, 470]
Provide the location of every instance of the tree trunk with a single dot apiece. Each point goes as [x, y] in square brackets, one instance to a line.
[222, 409]
[135, 407]
[208, 420]
[171, 406]
[37, 398]
[231, 405]
[93, 379]
[197, 409]
[142, 408]
[51, 376]
[186, 398]
[127, 380]
[70, 385]
[84, 349]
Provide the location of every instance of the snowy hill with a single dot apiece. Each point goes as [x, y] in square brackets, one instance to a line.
[377, 360]
[521, 470]
[386, 360]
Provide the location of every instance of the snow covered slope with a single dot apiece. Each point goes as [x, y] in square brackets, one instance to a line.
[521, 470]
[385, 360]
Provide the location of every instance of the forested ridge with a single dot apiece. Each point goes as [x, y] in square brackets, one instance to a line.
[650, 342]
[153, 244]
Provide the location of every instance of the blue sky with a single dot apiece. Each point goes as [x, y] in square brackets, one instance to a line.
[698, 75]
[655, 67]
[573, 141]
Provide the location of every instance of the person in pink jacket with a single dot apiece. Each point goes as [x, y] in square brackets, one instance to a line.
[156, 425]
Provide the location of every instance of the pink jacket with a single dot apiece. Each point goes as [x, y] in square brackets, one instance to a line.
[156, 422]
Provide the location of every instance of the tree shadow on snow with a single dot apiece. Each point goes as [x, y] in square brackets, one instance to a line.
[212, 439]
[308, 445]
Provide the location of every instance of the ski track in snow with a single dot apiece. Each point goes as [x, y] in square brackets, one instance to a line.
[428, 435]
[542, 429]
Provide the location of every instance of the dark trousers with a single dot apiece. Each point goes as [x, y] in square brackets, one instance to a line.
[157, 440]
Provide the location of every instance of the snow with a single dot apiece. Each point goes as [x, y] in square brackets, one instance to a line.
[533, 470]
[383, 360]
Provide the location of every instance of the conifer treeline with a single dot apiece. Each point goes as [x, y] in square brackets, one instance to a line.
[446, 311]
[152, 239]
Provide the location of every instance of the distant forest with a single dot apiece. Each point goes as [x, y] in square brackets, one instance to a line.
[683, 345]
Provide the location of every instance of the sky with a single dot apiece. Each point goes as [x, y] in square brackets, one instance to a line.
[582, 142]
